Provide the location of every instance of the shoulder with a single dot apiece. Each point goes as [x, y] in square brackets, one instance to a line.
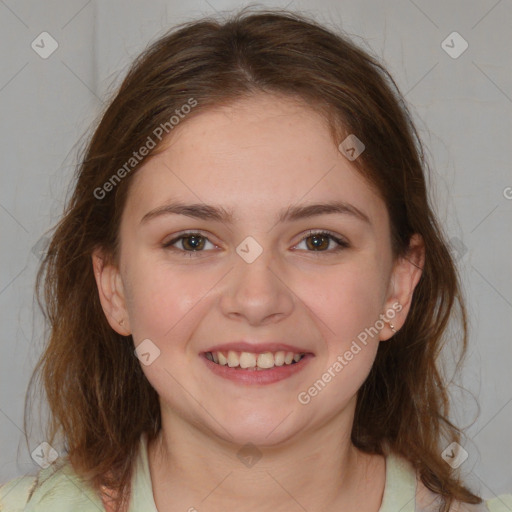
[15, 493]
[426, 500]
[502, 503]
[54, 489]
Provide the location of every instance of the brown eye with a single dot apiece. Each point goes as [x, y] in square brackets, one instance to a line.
[188, 243]
[320, 241]
[193, 242]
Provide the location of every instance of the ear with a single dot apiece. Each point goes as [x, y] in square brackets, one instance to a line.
[111, 293]
[406, 273]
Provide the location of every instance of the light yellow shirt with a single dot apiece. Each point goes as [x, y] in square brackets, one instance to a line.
[58, 489]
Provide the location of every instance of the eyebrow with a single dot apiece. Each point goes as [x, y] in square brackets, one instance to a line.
[217, 213]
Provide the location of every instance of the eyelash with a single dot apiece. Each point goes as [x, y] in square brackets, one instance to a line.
[342, 244]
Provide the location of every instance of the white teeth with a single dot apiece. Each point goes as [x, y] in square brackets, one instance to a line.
[248, 360]
[279, 358]
[265, 360]
[288, 358]
[222, 359]
[233, 359]
[262, 361]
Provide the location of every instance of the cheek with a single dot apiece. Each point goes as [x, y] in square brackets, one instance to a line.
[347, 299]
[346, 304]
[161, 299]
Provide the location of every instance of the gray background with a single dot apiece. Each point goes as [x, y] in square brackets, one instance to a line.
[462, 107]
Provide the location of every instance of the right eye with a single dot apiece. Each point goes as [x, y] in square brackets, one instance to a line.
[191, 242]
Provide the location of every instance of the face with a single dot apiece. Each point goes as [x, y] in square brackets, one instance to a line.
[317, 281]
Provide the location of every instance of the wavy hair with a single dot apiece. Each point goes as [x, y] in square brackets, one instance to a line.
[99, 399]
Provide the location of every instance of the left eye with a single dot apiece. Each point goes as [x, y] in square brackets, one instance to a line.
[320, 241]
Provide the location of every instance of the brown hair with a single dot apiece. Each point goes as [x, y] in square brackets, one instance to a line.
[98, 395]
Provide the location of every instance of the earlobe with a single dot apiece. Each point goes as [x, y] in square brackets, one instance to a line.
[111, 293]
[406, 274]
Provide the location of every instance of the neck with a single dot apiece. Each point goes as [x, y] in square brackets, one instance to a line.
[314, 471]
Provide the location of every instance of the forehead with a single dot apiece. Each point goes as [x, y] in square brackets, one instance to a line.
[257, 154]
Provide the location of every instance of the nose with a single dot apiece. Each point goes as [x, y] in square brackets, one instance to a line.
[257, 292]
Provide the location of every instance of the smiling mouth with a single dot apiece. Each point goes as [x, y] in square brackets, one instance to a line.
[252, 361]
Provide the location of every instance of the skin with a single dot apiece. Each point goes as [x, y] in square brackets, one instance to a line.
[256, 157]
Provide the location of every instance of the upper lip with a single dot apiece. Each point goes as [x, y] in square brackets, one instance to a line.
[257, 348]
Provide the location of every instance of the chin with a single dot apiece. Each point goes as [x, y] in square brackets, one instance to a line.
[260, 429]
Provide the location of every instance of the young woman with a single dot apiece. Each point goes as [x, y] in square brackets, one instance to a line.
[248, 291]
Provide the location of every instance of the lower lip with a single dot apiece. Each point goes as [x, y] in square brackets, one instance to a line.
[253, 376]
